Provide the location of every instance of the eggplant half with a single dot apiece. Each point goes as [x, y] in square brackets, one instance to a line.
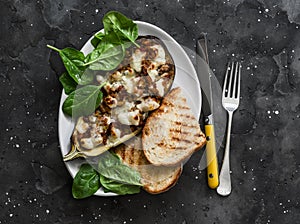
[131, 92]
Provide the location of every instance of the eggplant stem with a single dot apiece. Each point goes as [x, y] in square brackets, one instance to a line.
[73, 154]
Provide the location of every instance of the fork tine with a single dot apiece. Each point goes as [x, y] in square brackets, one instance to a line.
[234, 82]
[230, 80]
[225, 81]
[239, 82]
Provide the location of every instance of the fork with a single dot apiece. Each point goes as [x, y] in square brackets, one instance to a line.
[230, 101]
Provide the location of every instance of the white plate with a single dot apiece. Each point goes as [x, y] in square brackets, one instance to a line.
[185, 77]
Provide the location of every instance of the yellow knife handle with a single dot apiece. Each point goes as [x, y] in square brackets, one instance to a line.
[211, 157]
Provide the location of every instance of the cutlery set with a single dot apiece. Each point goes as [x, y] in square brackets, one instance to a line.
[230, 101]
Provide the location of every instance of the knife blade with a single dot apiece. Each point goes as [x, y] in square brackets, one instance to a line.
[203, 72]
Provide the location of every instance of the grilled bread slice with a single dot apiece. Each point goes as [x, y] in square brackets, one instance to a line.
[155, 179]
[171, 133]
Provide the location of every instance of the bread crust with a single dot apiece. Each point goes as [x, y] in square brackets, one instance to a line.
[155, 179]
[152, 189]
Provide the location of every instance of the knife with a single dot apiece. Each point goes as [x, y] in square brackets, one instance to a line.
[203, 72]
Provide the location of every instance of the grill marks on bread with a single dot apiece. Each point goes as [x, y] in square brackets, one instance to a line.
[155, 179]
[172, 133]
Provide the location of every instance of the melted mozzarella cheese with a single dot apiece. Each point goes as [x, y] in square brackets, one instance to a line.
[148, 105]
[111, 102]
[127, 106]
[115, 133]
[87, 143]
[81, 126]
[160, 87]
[114, 86]
[123, 118]
[107, 87]
[92, 118]
[100, 78]
[97, 139]
[126, 116]
[153, 74]
[128, 84]
[116, 75]
[161, 55]
[129, 118]
[134, 118]
[137, 58]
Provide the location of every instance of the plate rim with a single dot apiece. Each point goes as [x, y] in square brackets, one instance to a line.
[62, 117]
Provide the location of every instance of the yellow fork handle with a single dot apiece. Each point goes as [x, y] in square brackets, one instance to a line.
[211, 157]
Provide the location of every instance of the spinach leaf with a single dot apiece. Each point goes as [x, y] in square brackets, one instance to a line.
[108, 55]
[111, 167]
[73, 61]
[97, 38]
[110, 185]
[124, 27]
[68, 83]
[87, 77]
[83, 101]
[86, 182]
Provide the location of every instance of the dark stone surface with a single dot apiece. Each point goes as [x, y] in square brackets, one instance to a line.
[264, 34]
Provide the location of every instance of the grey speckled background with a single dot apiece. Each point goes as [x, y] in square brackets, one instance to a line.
[35, 186]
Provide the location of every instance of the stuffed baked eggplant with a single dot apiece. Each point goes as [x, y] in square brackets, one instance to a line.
[131, 92]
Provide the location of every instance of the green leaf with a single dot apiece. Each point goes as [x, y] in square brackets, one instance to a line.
[87, 77]
[86, 182]
[73, 61]
[68, 83]
[97, 38]
[77, 57]
[106, 58]
[110, 166]
[108, 55]
[110, 185]
[124, 27]
[83, 101]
